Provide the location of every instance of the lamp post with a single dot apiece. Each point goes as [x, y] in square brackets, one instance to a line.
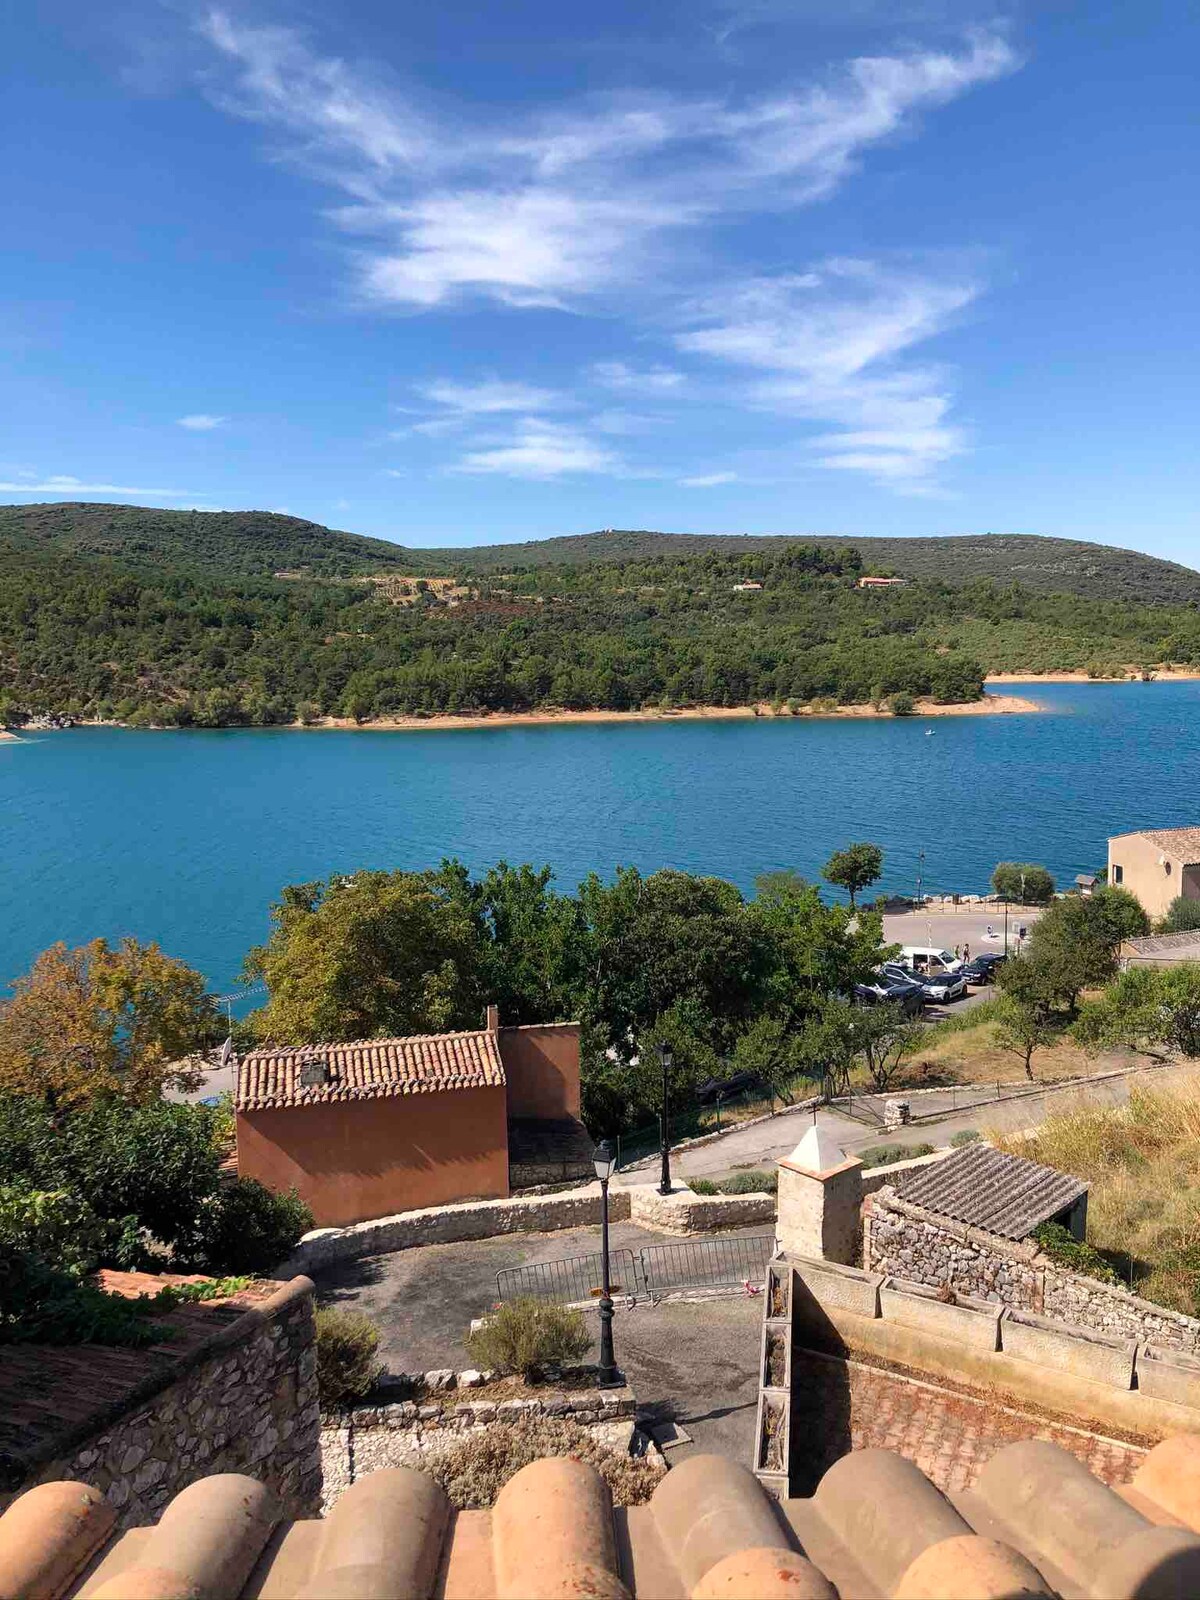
[1006, 925]
[604, 1159]
[666, 1058]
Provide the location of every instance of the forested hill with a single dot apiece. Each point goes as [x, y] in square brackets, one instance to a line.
[235, 544]
[212, 619]
[1059, 566]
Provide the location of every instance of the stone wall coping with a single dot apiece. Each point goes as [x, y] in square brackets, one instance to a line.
[104, 1416]
[1029, 1255]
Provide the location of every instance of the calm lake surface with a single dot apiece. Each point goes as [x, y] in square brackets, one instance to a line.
[187, 837]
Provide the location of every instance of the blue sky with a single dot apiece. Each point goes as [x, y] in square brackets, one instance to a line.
[462, 273]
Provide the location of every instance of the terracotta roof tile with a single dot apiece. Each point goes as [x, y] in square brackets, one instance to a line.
[1036, 1523]
[1182, 843]
[370, 1069]
[989, 1189]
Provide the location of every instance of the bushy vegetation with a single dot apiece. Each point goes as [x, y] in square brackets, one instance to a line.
[964, 1136]
[1061, 1245]
[1142, 1161]
[347, 1366]
[474, 1471]
[883, 1155]
[526, 1336]
[756, 1181]
[1183, 916]
[1023, 881]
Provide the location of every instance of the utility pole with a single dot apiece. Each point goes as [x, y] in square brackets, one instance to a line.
[920, 876]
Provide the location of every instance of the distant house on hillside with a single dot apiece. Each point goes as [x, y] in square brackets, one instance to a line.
[1157, 865]
[882, 583]
[746, 588]
[378, 1126]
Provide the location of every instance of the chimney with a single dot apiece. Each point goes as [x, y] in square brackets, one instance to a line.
[492, 1021]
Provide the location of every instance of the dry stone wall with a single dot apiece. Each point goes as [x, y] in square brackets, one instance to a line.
[906, 1241]
[245, 1403]
[472, 1219]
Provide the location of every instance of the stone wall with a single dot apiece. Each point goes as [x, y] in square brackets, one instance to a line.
[246, 1401]
[684, 1212]
[472, 1219]
[906, 1241]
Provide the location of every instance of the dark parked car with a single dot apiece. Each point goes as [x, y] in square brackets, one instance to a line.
[888, 990]
[983, 968]
[715, 1090]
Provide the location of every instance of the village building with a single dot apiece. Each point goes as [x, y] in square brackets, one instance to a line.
[882, 583]
[1157, 865]
[378, 1126]
[1160, 949]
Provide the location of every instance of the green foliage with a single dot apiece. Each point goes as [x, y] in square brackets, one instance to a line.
[902, 705]
[1154, 1010]
[189, 1294]
[42, 1304]
[156, 1164]
[1183, 916]
[883, 1155]
[964, 1136]
[54, 1225]
[246, 1227]
[703, 1186]
[855, 868]
[1061, 1245]
[526, 1336]
[755, 1181]
[347, 1367]
[1024, 1021]
[474, 1471]
[1024, 882]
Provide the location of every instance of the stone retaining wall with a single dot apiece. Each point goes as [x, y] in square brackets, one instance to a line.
[456, 1411]
[246, 1401]
[684, 1212]
[471, 1219]
[906, 1241]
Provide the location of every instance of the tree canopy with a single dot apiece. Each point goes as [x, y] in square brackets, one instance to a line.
[855, 868]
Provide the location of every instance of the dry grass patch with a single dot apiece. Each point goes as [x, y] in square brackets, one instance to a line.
[473, 1472]
[970, 1054]
[1143, 1163]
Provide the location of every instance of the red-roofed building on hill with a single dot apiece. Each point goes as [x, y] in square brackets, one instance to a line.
[378, 1126]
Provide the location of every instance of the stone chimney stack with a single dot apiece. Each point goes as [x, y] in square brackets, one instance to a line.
[820, 1200]
[492, 1021]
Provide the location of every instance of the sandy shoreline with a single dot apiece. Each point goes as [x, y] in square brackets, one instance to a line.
[990, 704]
[1175, 675]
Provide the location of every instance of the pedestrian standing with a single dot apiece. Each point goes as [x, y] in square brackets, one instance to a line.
[966, 955]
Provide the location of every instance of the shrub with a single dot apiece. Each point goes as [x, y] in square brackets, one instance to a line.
[346, 1346]
[703, 1186]
[43, 1304]
[964, 1136]
[246, 1227]
[473, 1473]
[1023, 881]
[755, 1182]
[902, 705]
[526, 1336]
[54, 1225]
[1183, 916]
[882, 1155]
[1061, 1245]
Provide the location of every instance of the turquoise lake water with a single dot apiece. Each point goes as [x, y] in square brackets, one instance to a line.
[187, 837]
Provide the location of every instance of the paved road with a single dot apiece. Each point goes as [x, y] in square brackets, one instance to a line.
[765, 1142]
[958, 926]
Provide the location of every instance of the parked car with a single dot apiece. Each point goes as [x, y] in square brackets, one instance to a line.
[942, 986]
[902, 992]
[715, 1090]
[923, 958]
[983, 968]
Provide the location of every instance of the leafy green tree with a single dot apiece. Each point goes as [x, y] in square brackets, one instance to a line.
[102, 1021]
[1183, 916]
[1025, 1025]
[370, 955]
[1121, 913]
[1072, 947]
[1153, 1010]
[855, 868]
[902, 705]
[1024, 882]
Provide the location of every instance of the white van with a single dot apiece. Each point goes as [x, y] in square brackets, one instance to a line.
[927, 958]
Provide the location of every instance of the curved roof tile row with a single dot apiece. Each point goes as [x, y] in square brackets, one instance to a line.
[1036, 1523]
[370, 1069]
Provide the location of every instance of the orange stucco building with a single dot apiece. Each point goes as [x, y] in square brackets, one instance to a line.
[378, 1126]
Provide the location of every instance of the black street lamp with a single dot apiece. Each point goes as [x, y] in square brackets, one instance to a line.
[666, 1057]
[604, 1159]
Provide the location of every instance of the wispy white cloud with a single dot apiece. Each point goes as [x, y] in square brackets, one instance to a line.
[60, 485]
[539, 449]
[833, 343]
[708, 480]
[490, 396]
[200, 422]
[579, 199]
[646, 380]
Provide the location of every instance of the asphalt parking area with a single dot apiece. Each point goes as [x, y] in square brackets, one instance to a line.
[694, 1362]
